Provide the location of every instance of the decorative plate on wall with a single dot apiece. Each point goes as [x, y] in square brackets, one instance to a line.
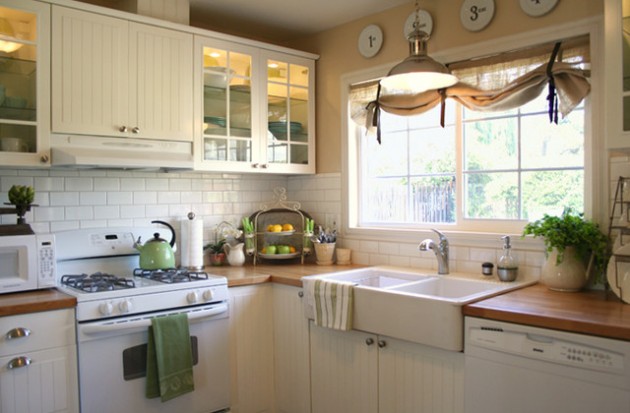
[425, 23]
[370, 40]
[536, 8]
[475, 15]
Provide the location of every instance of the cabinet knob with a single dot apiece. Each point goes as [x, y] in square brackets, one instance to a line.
[382, 343]
[135, 130]
[369, 341]
[18, 362]
[301, 294]
[264, 166]
[17, 332]
[44, 158]
[123, 129]
[255, 165]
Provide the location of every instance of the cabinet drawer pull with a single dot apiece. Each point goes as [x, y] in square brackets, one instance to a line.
[382, 343]
[18, 332]
[369, 341]
[123, 129]
[18, 362]
[301, 294]
[135, 130]
[255, 165]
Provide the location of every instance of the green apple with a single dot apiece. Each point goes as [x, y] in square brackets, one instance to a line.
[284, 249]
[271, 249]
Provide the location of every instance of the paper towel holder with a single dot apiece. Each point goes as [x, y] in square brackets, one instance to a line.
[191, 260]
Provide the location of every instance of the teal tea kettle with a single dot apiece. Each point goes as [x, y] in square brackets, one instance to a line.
[157, 253]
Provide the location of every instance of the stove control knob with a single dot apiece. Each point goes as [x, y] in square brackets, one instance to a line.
[192, 297]
[208, 295]
[125, 306]
[106, 308]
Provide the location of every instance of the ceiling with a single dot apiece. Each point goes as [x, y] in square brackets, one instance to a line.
[282, 20]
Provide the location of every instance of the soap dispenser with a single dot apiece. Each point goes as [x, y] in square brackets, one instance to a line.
[507, 267]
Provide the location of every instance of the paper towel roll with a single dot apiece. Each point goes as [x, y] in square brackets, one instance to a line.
[192, 244]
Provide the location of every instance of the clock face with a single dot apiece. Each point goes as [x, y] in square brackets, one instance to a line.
[537, 8]
[370, 40]
[475, 15]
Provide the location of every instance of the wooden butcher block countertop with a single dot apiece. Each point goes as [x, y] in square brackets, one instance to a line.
[34, 301]
[596, 313]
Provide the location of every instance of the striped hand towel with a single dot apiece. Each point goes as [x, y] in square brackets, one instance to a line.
[333, 304]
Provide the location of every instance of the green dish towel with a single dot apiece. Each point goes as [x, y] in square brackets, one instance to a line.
[169, 358]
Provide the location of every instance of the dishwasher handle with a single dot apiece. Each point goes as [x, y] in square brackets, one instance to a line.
[145, 321]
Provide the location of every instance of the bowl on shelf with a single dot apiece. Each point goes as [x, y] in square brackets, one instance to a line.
[280, 127]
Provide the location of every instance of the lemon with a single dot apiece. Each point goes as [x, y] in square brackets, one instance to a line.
[287, 227]
[277, 228]
[270, 228]
[264, 250]
[292, 249]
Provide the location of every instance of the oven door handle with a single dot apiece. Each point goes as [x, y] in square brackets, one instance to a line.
[145, 321]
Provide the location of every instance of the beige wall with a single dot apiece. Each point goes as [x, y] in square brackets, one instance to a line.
[339, 54]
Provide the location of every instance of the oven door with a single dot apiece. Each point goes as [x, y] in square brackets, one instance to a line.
[112, 363]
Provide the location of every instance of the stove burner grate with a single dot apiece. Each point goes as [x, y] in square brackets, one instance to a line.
[97, 282]
[171, 275]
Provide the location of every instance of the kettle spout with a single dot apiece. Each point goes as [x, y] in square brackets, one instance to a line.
[137, 244]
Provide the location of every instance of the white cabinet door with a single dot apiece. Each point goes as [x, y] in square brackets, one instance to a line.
[48, 384]
[161, 81]
[291, 351]
[90, 73]
[112, 77]
[418, 378]
[25, 84]
[344, 371]
[251, 346]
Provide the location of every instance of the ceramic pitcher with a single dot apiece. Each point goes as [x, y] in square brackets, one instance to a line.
[235, 254]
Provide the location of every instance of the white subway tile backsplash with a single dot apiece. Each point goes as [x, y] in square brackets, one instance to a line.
[79, 213]
[179, 184]
[93, 198]
[145, 197]
[132, 211]
[132, 184]
[156, 211]
[64, 198]
[79, 184]
[8, 181]
[158, 184]
[168, 197]
[106, 212]
[47, 214]
[191, 197]
[48, 184]
[119, 198]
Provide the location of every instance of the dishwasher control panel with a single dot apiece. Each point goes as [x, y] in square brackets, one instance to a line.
[545, 348]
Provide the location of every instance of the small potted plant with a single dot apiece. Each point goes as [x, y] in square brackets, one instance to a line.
[572, 242]
[216, 255]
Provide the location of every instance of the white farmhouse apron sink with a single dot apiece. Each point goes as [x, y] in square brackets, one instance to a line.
[420, 307]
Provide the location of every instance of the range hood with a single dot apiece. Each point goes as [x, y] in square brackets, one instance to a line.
[95, 152]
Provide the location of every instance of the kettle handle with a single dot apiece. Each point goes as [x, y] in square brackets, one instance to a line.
[172, 242]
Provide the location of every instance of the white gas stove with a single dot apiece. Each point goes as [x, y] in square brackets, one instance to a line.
[99, 266]
[116, 303]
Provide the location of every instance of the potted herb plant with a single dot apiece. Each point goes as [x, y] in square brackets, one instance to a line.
[572, 242]
[216, 255]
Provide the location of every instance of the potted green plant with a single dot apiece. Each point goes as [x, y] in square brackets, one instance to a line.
[572, 242]
[215, 252]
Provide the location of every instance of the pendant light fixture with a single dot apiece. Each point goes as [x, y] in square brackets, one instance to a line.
[418, 72]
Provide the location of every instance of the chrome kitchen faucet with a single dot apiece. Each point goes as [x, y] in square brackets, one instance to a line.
[440, 250]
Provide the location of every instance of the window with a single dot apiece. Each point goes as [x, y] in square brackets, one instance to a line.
[483, 171]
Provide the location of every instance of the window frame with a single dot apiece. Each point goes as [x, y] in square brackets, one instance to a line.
[596, 157]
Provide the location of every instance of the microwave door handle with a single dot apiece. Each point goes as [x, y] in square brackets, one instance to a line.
[98, 328]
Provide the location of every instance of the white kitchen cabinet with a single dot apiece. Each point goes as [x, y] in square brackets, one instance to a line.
[113, 77]
[251, 349]
[25, 83]
[617, 74]
[254, 109]
[360, 372]
[291, 351]
[44, 374]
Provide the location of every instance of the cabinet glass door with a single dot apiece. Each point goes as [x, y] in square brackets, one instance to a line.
[287, 112]
[227, 105]
[18, 81]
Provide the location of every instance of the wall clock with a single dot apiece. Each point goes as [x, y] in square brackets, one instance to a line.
[425, 23]
[475, 15]
[370, 40]
[537, 8]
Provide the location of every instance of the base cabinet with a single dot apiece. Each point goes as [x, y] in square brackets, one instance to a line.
[361, 372]
[291, 351]
[38, 366]
[251, 349]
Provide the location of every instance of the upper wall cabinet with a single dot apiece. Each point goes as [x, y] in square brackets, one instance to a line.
[254, 109]
[617, 17]
[112, 77]
[24, 83]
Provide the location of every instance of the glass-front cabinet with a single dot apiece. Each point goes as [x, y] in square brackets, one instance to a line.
[254, 111]
[24, 83]
[290, 108]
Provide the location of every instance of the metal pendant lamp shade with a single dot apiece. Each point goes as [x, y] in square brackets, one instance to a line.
[418, 72]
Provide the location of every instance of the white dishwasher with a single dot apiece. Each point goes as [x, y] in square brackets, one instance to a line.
[521, 369]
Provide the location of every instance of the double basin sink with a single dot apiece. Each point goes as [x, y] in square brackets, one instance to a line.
[420, 307]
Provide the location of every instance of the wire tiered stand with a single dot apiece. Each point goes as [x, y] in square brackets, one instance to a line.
[280, 212]
[620, 225]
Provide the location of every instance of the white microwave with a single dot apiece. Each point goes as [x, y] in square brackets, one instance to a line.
[27, 262]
